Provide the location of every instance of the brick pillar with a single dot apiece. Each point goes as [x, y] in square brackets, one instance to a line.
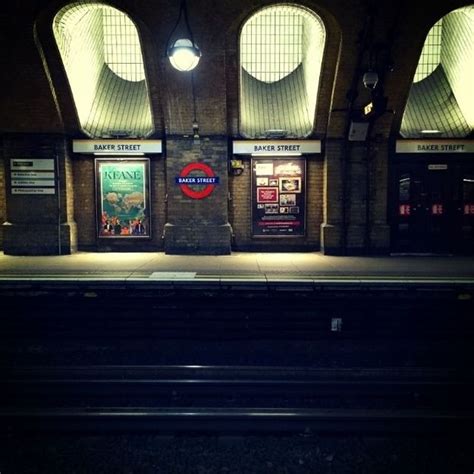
[332, 226]
[197, 226]
[3, 199]
[39, 224]
[357, 237]
[379, 228]
[363, 229]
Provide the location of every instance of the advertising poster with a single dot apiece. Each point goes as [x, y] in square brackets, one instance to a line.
[123, 198]
[278, 197]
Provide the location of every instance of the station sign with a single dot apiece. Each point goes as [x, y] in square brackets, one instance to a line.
[276, 147]
[116, 147]
[32, 182]
[206, 184]
[31, 164]
[434, 146]
[33, 190]
[32, 176]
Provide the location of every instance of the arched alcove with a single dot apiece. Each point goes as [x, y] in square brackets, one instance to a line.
[281, 52]
[441, 103]
[101, 53]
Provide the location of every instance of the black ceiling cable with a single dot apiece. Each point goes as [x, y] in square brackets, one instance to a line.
[183, 11]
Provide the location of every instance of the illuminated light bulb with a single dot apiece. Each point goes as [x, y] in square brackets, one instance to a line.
[184, 55]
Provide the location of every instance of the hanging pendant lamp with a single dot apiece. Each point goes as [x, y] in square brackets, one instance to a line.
[183, 53]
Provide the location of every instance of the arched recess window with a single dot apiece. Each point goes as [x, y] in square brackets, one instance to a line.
[281, 51]
[441, 102]
[101, 52]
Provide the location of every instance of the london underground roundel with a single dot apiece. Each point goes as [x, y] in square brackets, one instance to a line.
[186, 182]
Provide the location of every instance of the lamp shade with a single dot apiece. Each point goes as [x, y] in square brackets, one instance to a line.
[184, 55]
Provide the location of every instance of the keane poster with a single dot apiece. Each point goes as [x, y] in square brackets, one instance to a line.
[123, 198]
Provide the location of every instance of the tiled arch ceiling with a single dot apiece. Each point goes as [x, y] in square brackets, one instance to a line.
[281, 51]
[441, 100]
[101, 52]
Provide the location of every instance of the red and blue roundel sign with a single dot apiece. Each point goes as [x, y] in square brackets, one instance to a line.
[185, 181]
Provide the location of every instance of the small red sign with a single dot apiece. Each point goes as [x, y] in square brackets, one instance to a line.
[267, 194]
[469, 209]
[437, 209]
[404, 209]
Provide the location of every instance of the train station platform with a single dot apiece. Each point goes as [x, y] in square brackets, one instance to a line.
[238, 269]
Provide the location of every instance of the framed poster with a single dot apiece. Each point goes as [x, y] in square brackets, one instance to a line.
[123, 198]
[278, 197]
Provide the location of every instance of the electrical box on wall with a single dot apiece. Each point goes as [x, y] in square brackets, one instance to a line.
[358, 131]
[236, 167]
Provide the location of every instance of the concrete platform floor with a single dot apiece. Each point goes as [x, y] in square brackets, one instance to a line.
[238, 265]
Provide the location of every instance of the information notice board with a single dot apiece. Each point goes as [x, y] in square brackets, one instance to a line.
[123, 198]
[278, 196]
[32, 176]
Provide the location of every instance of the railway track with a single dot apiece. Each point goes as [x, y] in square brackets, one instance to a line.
[236, 399]
[181, 361]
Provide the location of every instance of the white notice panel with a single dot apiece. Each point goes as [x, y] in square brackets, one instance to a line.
[434, 146]
[31, 164]
[33, 190]
[276, 147]
[116, 146]
[32, 176]
[32, 182]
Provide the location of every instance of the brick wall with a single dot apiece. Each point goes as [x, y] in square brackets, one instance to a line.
[240, 206]
[84, 201]
[3, 198]
[240, 211]
[379, 237]
[39, 224]
[333, 192]
[86, 215]
[37, 102]
[197, 225]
